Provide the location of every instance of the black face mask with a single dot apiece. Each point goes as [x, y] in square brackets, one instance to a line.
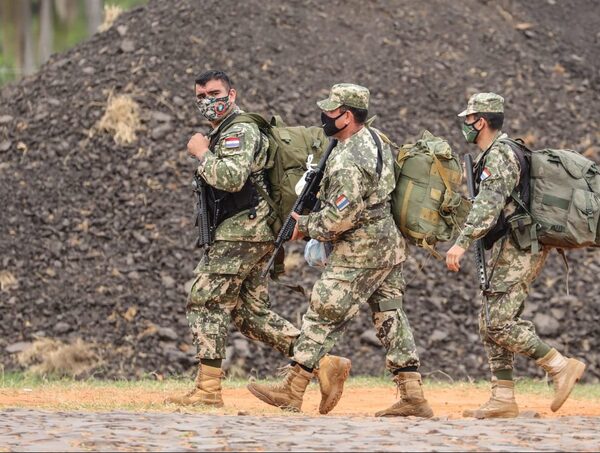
[329, 126]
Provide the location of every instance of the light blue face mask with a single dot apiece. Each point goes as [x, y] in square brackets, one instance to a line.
[316, 253]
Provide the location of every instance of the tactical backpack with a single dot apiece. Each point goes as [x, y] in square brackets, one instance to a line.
[426, 204]
[290, 148]
[564, 202]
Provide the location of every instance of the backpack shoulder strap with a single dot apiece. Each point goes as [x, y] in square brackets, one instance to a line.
[220, 128]
[249, 117]
[379, 166]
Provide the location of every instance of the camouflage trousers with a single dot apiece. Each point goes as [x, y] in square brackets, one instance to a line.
[512, 272]
[336, 298]
[230, 288]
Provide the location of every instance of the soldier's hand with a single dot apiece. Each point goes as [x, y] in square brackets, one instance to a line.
[198, 146]
[453, 257]
[296, 233]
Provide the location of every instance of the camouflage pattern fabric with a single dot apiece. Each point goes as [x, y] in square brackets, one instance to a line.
[513, 272]
[365, 264]
[336, 299]
[499, 179]
[484, 103]
[346, 94]
[230, 288]
[356, 212]
[235, 157]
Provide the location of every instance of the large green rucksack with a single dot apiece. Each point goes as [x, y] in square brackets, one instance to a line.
[426, 203]
[564, 200]
[289, 152]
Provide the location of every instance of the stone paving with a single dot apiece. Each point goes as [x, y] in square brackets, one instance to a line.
[36, 430]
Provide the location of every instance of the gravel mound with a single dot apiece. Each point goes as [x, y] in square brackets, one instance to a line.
[97, 237]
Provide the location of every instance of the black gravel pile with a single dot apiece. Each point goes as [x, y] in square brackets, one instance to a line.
[99, 237]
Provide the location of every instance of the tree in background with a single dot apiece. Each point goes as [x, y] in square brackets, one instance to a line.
[57, 25]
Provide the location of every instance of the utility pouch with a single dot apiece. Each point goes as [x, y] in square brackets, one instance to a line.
[522, 230]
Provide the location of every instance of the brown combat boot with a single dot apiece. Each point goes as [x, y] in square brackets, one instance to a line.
[412, 401]
[332, 373]
[286, 395]
[207, 390]
[501, 404]
[565, 373]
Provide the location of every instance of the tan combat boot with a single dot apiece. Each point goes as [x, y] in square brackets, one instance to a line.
[501, 404]
[332, 373]
[412, 401]
[287, 394]
[207, 390]
[565, 373]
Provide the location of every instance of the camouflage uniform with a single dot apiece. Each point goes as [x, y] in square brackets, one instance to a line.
[511, 270]
[230, 287]
[365, 264]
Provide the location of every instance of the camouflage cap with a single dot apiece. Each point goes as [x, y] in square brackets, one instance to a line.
[345, 94]
[484, 103]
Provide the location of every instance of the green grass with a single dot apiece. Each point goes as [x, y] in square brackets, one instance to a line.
[18, 380]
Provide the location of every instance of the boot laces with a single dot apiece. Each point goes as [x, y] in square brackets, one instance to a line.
[401, 390]
[283, 371]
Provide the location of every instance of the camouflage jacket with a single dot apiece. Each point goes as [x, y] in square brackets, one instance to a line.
[499, 178]
[356, 211]
[227, 167]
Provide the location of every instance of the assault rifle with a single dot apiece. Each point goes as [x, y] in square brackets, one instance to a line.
[484, 284]
[205, 229]
[306, 201]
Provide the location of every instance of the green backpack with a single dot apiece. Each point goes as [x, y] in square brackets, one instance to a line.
[564, 201]
[287, 159]
[426, 203]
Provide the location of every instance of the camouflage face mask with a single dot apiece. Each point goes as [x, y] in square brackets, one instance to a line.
[213, 108]
[469, 131]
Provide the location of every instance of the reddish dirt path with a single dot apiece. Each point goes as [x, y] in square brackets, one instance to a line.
[357, 401]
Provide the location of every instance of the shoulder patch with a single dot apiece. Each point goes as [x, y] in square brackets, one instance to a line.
[341, 202]
[232, 142]
[485, 174]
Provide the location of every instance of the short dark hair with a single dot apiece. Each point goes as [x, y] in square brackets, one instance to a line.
[360, 115]
[495, 120]
[207, 76]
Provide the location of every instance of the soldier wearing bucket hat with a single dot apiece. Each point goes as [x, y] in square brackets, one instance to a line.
[497, 173]
[365, 264]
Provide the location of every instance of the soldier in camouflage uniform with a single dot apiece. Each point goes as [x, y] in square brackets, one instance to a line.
[228, 285]
[365, 264]
[497, 173]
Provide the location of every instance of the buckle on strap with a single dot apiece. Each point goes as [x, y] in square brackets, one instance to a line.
[386, 305]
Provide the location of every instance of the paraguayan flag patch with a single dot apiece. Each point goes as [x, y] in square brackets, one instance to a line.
[341, 202]
[232, 142]
[485, 174]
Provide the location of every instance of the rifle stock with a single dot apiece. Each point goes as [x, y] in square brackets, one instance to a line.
[306, 201]
[479, 248]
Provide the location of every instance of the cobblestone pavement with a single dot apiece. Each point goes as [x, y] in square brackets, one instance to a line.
[36, 430]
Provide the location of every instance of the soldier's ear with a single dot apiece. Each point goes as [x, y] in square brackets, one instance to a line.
[232, 95]
[484, 124]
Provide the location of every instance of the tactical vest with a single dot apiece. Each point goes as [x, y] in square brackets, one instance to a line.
[501, 227]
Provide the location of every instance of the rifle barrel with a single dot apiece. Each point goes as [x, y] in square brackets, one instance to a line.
[479, 249]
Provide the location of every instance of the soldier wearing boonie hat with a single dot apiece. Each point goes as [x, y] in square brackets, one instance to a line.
[497, 173]
[365, 263]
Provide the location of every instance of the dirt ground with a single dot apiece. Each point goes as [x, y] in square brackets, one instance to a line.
[356, 401]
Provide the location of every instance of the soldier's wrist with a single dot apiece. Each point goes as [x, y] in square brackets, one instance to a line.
[464, 241]
[302, 223]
